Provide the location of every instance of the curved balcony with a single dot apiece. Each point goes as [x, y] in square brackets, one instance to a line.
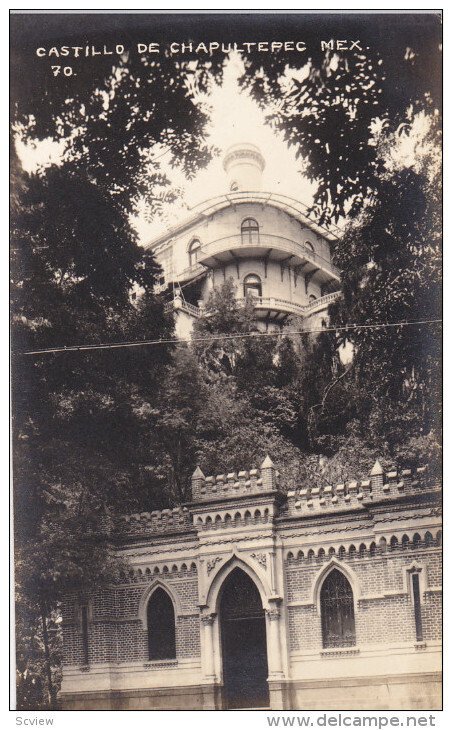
[277, 309]
[270, 248]
[270, 307]
[209, 207]
[319, 304]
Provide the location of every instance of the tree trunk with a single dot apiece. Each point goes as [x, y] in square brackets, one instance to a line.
[51, 689]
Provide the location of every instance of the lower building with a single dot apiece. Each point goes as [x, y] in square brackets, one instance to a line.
[248, 597]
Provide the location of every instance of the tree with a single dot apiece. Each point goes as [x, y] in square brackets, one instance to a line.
[76, 414]
[391, 261]
[259, 392]
[321, 391]
[174, 420]
[333, 105]
[116, 115]
[219, 336]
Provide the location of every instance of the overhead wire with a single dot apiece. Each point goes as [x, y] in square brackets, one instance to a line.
[213, 338]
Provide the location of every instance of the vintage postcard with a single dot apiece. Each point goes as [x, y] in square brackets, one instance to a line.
[226, 360]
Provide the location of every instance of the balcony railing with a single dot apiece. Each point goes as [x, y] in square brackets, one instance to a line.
[182, 305]
[190, 272]
[321, 303]
[265, 303]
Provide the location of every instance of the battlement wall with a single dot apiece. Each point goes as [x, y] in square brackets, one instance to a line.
[157, 521]
[235, 484]
[357, 494]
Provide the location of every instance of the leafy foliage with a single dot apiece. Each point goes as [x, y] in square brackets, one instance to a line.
[334, 106]
[77, 415]
[117, 115]
[391, 263]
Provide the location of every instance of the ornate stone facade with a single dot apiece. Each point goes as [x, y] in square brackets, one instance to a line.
[371, 641]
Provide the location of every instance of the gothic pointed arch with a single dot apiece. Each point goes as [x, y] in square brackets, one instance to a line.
[244, 649]
[337, 611]
[161, 625]
[213, 592]
[342, 567]
[147, 594]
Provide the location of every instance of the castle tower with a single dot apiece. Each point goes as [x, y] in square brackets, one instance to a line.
[244, 165]
[263, 241]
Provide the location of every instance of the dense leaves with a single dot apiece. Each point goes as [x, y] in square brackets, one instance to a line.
[391, 263]
[77, 418]
[333, 102]
[335, 106]
[117, 115]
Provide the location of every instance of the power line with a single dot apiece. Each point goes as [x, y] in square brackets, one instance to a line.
[213, 338]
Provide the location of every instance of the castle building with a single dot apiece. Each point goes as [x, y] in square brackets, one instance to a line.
[265, 242]
[248, 597]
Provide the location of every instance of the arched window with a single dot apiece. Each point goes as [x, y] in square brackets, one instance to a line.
[312, 298]
[161, 626]
[309, 245]
[338, 617]
[252, 286]
[193, 251]
[250, 231]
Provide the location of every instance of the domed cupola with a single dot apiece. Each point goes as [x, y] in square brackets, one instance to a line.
[244, 164]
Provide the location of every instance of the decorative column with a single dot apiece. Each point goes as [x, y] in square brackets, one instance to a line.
[274, 645]
[209, 663]
[277, 684]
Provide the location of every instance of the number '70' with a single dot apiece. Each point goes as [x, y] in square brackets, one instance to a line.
[67, 70]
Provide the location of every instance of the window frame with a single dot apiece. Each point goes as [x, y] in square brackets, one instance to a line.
[249, 233]
[415, 584]
[193, 250]
[345, 613]
[85, 618]
[249, 285]
[153, 654]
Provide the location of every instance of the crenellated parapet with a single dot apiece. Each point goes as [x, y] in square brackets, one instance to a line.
[354, 494]
[157, 522]
[235, 484]
[249, 498]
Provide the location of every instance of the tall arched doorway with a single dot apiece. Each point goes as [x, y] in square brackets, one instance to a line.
[243, 642]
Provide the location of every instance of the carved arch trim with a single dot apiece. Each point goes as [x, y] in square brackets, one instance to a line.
[146, 595]
[351, 576]
[213, 592]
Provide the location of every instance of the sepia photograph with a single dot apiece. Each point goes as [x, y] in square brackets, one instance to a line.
[226, 360]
